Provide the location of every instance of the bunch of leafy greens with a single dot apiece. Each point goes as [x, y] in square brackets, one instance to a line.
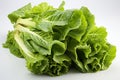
[51, 40]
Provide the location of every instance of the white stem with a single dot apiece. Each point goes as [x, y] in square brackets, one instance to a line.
[22, 45]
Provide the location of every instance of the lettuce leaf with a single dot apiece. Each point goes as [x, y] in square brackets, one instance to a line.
[19, 13]
[11, 44]
[92, 55]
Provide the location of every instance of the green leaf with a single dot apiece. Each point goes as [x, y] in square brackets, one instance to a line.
[61, 6]
[90, 21]
[35, 40]
[73, 19]
[111, 54]
[80, 31]
[37, 64]
[12, 45]
[20, 13]
[41, 8]
[56, 69]
[58, 50]
[97, 35]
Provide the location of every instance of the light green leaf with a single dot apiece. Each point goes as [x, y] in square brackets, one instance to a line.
[12, 45]
[19, 13]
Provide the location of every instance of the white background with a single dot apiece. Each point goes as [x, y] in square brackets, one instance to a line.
[107, 13]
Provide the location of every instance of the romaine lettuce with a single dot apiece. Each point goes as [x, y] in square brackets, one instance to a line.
[51, 40]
